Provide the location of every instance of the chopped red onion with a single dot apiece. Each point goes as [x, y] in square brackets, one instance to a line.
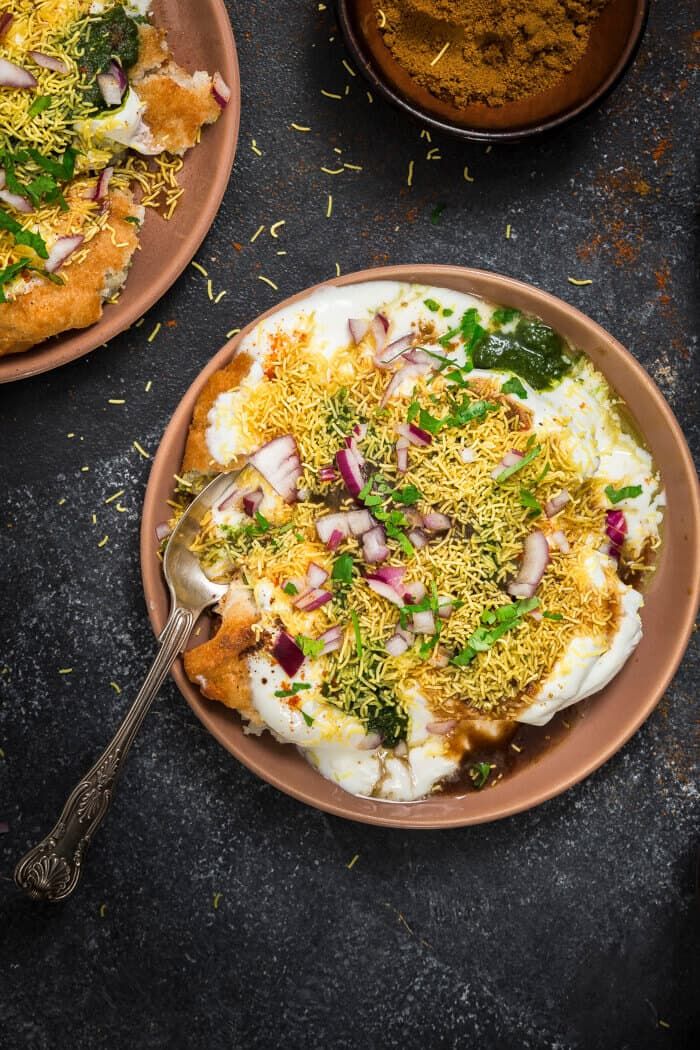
[384, 590]
[112, 84]
[358, 329]
[230, 497]
[6, 21]
[440, 657]
[351, 443]
[536, 614]
[435, 522]
[558, 541]
[396, 645]
[316, 575]
[405, 372]
[378, 330]
[360, 431]
[445, 608]
[162, 530]
[14, 76]
[418, 538]
[49, 62]
[414, 434]
[556, 503]
[442, 728]
[534, 562]
[278, 462]
[424, 622]
[359, 522]
[332, 640]
[391, 574]
[336, 538]
[287, 654]
[467, 455]
[62, 249]
[401, 749]
[350, 470]
[414, 592]
[220, 90]
[402, 455]
[327, 474]
[616, 531]
[509, 460]
[252, 501]
[312, 600]
[370, 742]
[102, 184]
[374, 546]
[16, 201]
[395, 349]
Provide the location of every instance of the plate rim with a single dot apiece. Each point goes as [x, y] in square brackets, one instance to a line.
[14, 367]
[379, 812]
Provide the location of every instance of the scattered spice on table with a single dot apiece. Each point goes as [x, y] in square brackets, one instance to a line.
[487, 51]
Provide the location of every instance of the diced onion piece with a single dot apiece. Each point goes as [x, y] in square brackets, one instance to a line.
[6, 21]
[102, 184]
[251, 502]
[16, 201]
[162, 530]
[467, 455]
[312, 600]
[556, 503]
[112, 84]
[402, 455]
[424, 622]
[405, 372]
[358, 329]
[330, 523]
[278, 462]
[359, 522]
[49, 62]
[418, 538]
[442, 728]
[558, 541]
[220, 90]
[336, 538]
[509, 460]
[616, 529]
[316, 575]
[440, 657]
[435, 522]
[378, 331]
[351, 443]
[534, 562]
[350, 471]
[332, 640]
[384, 590]
[445, 607]
[287, 654]
[370, 742]
[396, 645]
[327, 474]
[15, 76]
[393, 575]
[394, 350]
[374, 546]
[414, 592]
[415, 435]
[62, 249]
[360, 431]
[401, 749]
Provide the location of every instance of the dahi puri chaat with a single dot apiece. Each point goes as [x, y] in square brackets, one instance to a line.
[432, 538]
[85, 87]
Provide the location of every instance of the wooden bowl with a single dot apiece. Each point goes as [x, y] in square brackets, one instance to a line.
[200, 37]
[612, 716]
[613, 43]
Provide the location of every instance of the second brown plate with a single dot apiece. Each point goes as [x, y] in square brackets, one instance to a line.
[613, 715]
[200, 36]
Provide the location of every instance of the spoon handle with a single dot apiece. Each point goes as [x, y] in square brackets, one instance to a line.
[52, 869]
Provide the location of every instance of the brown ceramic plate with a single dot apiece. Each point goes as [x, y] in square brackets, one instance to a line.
[613, 43]
[612, 715]
[200, 36]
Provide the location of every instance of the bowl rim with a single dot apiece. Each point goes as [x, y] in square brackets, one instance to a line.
[77, 342]
[338, 802]
[353, 41]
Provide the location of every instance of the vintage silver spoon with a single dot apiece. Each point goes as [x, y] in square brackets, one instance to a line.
[52, 869]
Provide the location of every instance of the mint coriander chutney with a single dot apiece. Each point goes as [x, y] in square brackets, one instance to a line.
[114, 35]
[532, 350]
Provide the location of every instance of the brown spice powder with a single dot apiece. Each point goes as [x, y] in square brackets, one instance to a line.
[499, 50]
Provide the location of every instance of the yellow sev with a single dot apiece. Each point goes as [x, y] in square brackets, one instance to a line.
[53, 27]
[302, 396]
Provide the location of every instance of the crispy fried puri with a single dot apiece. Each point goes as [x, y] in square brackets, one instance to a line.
[177, 104]
[48, 309]
[197, 455]
[218, 666]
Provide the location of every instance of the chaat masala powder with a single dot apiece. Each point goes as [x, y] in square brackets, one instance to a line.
[487, 51]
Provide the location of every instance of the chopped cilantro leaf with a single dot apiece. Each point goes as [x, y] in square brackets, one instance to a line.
[552, 616]
[628, 492]
[413, 410]
[480, 773]
[505, 618]
[307, 718]
[296, 687]
[40, 103]
[447, 338]
[468, 411]
[365, 490]
[403, 542]
[343, 568]
[524, 462]
[504, 315]
[261, 521]
[290, 588]
[21, 236]
[356, 629]
[432, 305]
[528, 500]
[514, 386]
[407, 495]
[428, 422]
[446, 312]
[311, 647]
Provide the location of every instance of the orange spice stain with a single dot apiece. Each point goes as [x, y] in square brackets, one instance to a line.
[659, 150]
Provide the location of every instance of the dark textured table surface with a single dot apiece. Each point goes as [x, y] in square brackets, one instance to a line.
[216, 912]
